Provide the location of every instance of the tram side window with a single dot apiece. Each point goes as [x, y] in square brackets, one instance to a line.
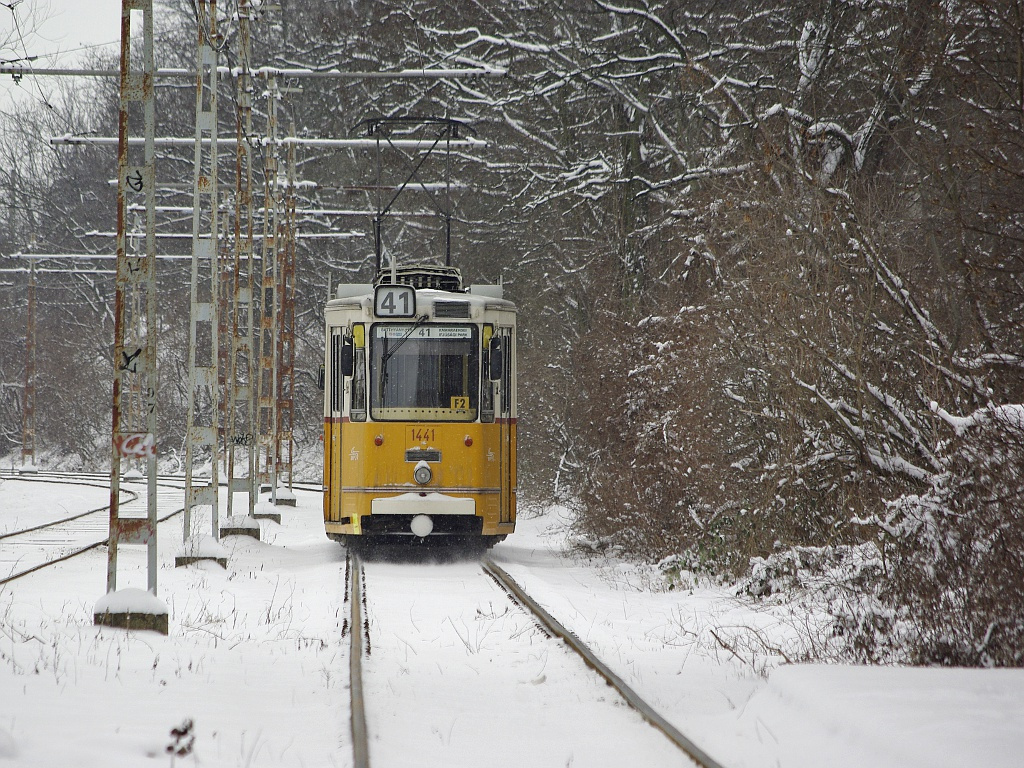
[486, 392]
[336, 377]
[358, 404]
[506, 374]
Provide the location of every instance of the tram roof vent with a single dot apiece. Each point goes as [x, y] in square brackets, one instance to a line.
[424, 276]
[351, 290]
[488, 291]
[451, 309]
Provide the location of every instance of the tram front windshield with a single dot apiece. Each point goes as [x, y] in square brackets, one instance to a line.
[424, 372]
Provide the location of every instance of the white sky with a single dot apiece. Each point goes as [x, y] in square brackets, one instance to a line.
[58, 26]
[55, 31]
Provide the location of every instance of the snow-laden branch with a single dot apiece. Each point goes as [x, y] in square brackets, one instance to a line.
[888, 463]
[893, 406]
[982, 362]
[811, 49]
[646, 15]
[894, 286]
[1010, 415]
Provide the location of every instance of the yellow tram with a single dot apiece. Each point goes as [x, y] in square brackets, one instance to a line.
[420, 410]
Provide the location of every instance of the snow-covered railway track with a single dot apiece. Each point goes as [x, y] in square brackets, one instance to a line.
[34, 547]
[85, 478]
[51, 524]
[518, 595]
[69, 478]
[451, 659]
[356, 629]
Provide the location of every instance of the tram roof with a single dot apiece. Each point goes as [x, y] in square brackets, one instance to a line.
[479, 297]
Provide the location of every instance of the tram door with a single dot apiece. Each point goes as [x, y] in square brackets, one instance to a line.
[335, 400]
[507, 457]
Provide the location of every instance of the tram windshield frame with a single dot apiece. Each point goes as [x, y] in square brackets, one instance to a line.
[424, 372]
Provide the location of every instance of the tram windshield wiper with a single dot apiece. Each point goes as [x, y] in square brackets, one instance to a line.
[391, 352]
[386, 357]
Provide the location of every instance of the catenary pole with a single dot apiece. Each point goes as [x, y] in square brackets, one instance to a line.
[134, 412]
[203, 344]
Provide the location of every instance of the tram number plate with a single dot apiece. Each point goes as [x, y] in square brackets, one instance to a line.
[394, 301]
[460, 403]
[423, 434]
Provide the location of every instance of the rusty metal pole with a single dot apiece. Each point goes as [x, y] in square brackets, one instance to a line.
[225, 288]
[133, 430]
[241, 429]
[286, 328]
[203, 392]
[267, 378]
[28, 405]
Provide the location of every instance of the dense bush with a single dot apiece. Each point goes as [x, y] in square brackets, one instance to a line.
[955, 553]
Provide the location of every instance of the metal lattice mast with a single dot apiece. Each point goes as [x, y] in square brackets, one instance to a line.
[225, 289]
[133, 434]
[286, 327]
[28, 410]
[241, 401]
[269, 295]
[203, 394]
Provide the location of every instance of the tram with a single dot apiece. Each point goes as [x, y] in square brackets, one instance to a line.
[419, 410]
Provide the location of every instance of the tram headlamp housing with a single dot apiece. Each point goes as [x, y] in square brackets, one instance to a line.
[422, 474]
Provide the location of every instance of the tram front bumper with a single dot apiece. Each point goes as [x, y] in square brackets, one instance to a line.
[421, 514]
[422, 504]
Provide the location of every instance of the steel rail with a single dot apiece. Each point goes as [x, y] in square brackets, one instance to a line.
[75, 552]
[34, 478]
[43, 475]
[360, 741]
[71, 478]
[63, 520]
[95, 544]
[645, 710]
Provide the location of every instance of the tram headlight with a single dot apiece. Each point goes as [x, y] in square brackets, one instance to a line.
[422, 473]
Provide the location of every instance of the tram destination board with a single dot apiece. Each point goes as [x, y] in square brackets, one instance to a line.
[403, 331]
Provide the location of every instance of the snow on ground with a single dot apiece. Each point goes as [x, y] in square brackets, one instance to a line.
[255, 658]
[470, 680]
[25, 503]
[715, 666]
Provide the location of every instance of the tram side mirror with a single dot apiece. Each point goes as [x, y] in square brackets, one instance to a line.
[496, 367]
[347, 361]
[320, 378]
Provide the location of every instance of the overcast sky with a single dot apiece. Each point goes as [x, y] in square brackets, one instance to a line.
[63, 24]
[55, 31]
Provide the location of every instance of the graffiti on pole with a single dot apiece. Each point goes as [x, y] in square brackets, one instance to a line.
[130, 362]
[136, 446]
